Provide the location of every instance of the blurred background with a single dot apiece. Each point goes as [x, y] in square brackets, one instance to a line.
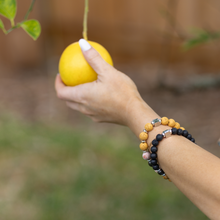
[56, 163]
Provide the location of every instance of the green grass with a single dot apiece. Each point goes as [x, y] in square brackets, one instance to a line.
[60, 173]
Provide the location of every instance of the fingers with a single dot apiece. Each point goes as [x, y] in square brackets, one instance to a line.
[67, 93]
[94, 58]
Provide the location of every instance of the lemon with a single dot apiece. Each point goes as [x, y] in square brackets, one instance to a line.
[73, 67]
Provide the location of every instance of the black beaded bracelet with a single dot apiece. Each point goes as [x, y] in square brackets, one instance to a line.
[153, 161]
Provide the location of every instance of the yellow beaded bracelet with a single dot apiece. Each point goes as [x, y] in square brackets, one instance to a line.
[155, 123]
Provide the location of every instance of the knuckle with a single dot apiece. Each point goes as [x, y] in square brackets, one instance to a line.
[59, 95]
[93, 57]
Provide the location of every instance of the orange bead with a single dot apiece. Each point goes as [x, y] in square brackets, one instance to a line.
[143, 146]
[143, 136]
[165, 177]
[177, 125]
[164, 121]
[148, 127]
[171, 123]
[182, 128]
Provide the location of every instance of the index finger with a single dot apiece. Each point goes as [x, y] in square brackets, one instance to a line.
[66, 93]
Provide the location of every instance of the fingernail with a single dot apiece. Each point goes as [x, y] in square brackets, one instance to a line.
[84, 45]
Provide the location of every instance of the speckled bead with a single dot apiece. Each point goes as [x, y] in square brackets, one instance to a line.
[171, 123]
[164, 121]
[177, 125]
[148, 127]
[146, 155]
[143, 146]
[143, 136]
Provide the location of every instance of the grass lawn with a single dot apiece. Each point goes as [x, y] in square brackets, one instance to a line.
[61, 173]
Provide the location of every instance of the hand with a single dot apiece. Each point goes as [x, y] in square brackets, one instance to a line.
[108, 99]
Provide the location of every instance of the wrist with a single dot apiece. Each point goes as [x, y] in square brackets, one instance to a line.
[138, 114]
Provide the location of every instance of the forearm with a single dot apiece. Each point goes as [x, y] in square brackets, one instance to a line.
[192, 169]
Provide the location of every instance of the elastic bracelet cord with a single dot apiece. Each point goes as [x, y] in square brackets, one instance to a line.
[151, 156]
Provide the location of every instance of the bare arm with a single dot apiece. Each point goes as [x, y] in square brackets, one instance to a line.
[114, 98]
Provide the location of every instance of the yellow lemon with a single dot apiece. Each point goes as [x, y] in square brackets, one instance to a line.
[73, 67]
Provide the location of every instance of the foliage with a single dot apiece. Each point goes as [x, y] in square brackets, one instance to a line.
[200, 37]
[8, 9]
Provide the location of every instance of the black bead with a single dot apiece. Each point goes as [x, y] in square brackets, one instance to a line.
[156, 167]
[153, 149]
[153, 162]
[160, 172]
[155, 142]
[189, 136]
[174, 131]
[153, 156]
[159, 137]
[179, 131]
[149, 163]
[185, 133]
[193, 140]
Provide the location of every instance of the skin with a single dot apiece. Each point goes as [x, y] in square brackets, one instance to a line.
[114, 98]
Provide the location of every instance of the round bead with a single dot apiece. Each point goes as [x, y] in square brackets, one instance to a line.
[148, 127]
[179, 131]
[156, 167]
[154, 162]
[174, 131]
[159, 137]
[160, 172]
[189, 136]
[185, 133]
[171, 122]
[164, 121]
[165, 177]
[182, 128]
[155, 142]
[143, 146]
[193, 140]
[153, 156]
[153, 149]
[177, 125]
[146, 156]
[149, 163]
[143, 136]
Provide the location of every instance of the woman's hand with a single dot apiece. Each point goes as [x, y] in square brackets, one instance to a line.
[108, 99]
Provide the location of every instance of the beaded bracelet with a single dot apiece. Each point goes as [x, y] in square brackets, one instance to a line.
[151, 156]
[155, 123]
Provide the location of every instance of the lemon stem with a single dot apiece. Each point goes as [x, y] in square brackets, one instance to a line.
[85, 23]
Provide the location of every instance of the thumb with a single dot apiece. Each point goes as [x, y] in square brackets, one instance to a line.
[94, 58]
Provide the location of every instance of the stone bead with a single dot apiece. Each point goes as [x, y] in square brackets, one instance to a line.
[143, 136]
[153, 149]
[146, 156]
[182, 128]
[148, 127]
[177, 125]
[164, 121]
[165, 177]
[171, 122]
[143, 146]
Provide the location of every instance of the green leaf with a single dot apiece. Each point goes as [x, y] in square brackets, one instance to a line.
[32, 27]
[1, 24]
[8, 8]
[201, 37]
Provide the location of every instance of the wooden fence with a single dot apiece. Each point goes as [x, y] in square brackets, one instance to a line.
[132, 30]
